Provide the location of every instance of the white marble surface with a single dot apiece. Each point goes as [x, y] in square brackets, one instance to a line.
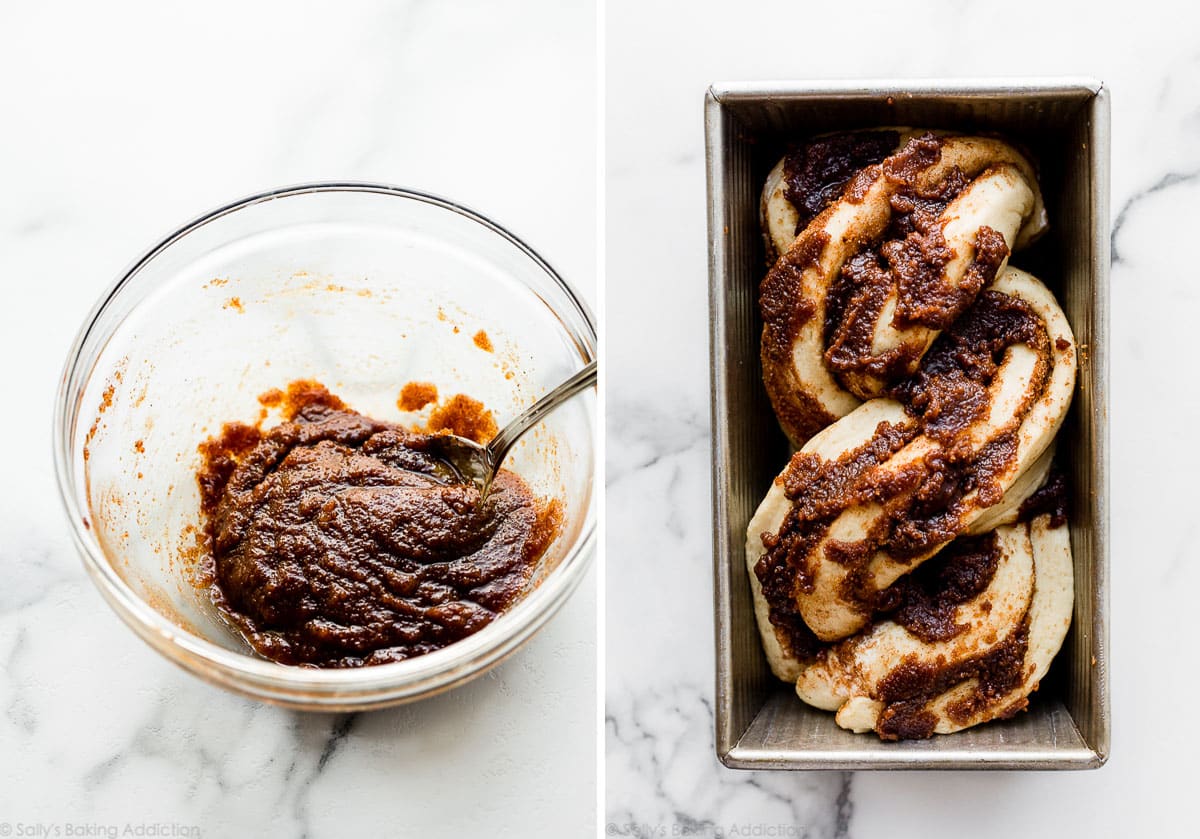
[120, 121]
[662, 775]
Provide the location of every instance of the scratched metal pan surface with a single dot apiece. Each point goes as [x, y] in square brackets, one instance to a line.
[761, 724]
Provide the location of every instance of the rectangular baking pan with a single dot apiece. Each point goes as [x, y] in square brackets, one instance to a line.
[1064, 123]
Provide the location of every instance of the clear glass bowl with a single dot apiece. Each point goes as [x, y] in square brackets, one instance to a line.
[363, 287]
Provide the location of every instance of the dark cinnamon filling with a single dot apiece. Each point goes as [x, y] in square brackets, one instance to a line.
[926, 601]
[338, 540]
[816, 172]
[1050, 499]
[908, 689]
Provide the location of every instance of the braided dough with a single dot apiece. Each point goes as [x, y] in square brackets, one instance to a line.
[923, 380]
[1001, 194]
[1022, 400]
[1027, 602]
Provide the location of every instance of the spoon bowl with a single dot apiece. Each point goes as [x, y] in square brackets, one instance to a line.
[479, 464]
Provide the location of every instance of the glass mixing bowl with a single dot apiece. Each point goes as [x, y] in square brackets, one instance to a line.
[363, 287]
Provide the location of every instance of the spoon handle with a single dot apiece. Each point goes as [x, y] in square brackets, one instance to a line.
[498, 448]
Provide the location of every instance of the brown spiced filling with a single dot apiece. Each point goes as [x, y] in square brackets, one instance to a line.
[925, 602]
[816, 173]
[337, 540]
[908, 689]
[1050, 499]
[784, 312]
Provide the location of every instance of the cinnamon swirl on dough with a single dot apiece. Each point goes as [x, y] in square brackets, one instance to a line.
[860, 292]
[895, 578]
[966, 645]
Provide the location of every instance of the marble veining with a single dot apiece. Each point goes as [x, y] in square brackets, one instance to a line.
[1166, 182]
[664, 740]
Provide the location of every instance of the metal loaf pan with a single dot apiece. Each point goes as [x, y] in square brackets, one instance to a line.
[1064, 123]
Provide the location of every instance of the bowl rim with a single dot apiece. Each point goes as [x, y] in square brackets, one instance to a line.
[310, 687]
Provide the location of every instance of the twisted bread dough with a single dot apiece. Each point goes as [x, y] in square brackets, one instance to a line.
[874, 495]
[788, 665]
[881, 526]
[780, 218]
[818, 368]
[924, 381]
[1008, 634]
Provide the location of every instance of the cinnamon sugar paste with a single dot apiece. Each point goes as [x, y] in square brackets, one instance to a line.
[338, 541]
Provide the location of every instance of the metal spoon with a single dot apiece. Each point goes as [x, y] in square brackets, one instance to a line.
[479, 464]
